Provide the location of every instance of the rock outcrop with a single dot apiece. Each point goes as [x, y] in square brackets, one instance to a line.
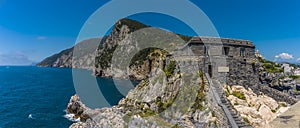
[258, 110]
[157, 102]
[167, 96]
[96, 54]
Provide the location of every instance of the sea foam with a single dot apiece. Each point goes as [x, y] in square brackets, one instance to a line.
[30, 116]
[71, 117]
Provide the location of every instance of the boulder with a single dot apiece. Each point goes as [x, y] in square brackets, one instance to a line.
[248, 111]
[266, 113]
[270, 102]
[258, 109]
[236, 101]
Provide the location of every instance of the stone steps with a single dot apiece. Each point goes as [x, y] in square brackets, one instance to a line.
[236, 117]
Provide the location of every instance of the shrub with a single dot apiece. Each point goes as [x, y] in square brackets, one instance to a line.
[246, 120]
[281, 77]
[270, 66]
[294, 77]
[239, 95]
[201, 94]
[283, 104]
[147, 113]
[169, 70]
[227, 93]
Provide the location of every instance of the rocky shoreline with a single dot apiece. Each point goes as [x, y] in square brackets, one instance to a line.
[153, 104]
[155, 101]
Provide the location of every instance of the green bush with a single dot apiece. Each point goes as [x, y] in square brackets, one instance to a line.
[270, 66]
[246, 120]
[239, 95]
[169, 70]
[201, 94]
[294, 77]
[266, 61]
[283, 104]
[281, 77]
[147, 113]
[141, 56]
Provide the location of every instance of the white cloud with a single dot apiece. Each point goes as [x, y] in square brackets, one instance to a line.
[284, 56]
[298, 59]
[41, 38]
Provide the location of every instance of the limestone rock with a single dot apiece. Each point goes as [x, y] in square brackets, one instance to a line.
[236, 101]
[266, 113]
[259, 110]
[270, 102]
[78, 125]
[249, 111]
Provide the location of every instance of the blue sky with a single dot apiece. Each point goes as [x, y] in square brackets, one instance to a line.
[32, 30]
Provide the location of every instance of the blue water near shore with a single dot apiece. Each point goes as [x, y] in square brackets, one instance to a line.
[33, 97]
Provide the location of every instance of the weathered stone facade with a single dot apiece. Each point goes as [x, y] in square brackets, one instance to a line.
[229, 60]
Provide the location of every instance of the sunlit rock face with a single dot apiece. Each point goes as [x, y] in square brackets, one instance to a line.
[258, 110]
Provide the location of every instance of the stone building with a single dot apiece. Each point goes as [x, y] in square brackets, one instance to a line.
[229, 60]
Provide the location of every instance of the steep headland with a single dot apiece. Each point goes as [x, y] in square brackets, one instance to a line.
[65, 59]
[248, 94]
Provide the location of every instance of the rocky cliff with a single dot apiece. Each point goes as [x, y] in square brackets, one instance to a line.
[97, 54]
[129, 36]
[65, 58]
[160, 102]
[162, 98]
[166, 97]
[275, 83]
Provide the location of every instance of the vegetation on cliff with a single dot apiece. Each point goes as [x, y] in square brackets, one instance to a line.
[270, 66]
[105, 49]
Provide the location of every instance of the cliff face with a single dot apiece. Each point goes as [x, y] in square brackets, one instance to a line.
[96, 54]
[102, 50]
[275, 83]
[158, 102]
[62, 59]
[169, 98]
[65, 58]
[120, 34]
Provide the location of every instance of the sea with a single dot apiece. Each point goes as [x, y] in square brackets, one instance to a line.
[36, 97]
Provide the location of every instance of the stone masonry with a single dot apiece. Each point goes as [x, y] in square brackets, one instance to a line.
[228, 60]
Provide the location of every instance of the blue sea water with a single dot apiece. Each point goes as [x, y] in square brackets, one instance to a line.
[35, 97]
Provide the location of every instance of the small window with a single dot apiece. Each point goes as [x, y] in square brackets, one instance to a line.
[206, 49]
[226, 51]
[242, 52]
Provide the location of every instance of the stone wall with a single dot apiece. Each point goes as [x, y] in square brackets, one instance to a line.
[238, 55]
[242, 72]
[277, 95]
[215, 47]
